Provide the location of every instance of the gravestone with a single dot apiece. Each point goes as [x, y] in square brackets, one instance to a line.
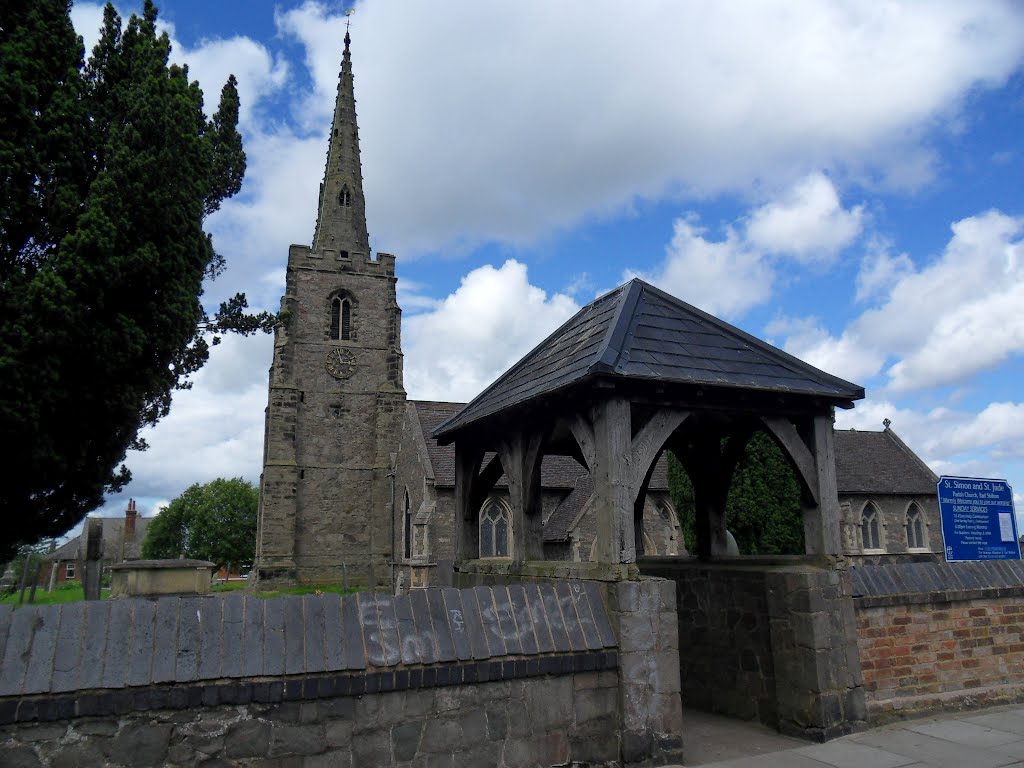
[91, 558]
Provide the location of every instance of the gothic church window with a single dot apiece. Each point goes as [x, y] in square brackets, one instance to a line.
[870, 528]
[916, 538]
[345, 197]
[495, 530]
[341, 318]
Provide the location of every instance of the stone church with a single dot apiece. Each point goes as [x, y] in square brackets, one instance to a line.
[355, 487]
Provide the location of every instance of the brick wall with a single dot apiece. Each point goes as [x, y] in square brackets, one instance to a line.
[915, 656]
[939, 634]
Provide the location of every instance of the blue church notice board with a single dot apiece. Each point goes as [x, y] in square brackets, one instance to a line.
[978, 520]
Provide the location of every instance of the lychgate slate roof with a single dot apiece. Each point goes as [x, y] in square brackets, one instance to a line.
[642, 333]
[879, 463]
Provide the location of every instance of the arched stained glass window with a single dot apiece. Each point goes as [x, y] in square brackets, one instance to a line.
[916, 538]
[495, 530]
[870, 527]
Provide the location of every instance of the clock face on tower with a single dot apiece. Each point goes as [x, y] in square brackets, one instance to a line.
[341, 363]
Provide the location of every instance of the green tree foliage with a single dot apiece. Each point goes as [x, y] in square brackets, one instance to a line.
[763, 511]
[215, 521]
[107, 171]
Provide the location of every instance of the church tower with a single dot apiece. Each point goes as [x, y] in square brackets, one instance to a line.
[336, 395]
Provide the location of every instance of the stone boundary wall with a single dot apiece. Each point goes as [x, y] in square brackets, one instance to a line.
[548, 720]
[83, 673]
[939, 635]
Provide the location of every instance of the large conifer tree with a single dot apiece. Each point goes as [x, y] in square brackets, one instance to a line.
[108, 169]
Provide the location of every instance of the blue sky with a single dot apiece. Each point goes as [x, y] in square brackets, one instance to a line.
[843, 179]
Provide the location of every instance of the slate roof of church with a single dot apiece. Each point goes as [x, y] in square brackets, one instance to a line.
[555, 471]
[879, 463]
[559, 522]
[642, 333]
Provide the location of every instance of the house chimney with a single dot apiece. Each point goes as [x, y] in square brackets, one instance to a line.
[129, 521]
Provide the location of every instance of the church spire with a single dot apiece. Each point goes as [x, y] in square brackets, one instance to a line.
[341, 219]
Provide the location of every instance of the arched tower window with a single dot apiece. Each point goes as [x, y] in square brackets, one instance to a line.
[870, 527]
[916, 538]
[495, 530]
[341, 318]
[408, 526]
[345, 197]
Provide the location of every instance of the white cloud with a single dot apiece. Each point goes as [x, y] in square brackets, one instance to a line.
[494, 318]
[259, 74]
[808, 222]
[942, 323]
[950, 440]
[739, 271]
[726, 277]
[517, 134]
[999, 428]
[213, 430]
[880, 270]
[846, 356]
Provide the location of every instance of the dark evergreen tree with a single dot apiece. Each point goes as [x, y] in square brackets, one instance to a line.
[215, 521]
[763, 511]
[107, 171]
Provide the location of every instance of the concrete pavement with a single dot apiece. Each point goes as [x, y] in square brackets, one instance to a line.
[984, 738]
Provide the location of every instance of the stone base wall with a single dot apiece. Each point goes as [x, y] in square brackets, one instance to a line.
[926, 655]
[724, 627]
[771, 640]
[569, 719]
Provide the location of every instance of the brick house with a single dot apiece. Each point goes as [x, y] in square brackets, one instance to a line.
[122, 540]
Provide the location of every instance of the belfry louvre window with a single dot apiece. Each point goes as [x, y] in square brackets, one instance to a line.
[495, 530]
[341, 319]
[915, 528]
[870, 527]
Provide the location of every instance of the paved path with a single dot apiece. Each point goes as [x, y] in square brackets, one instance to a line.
[986, 738]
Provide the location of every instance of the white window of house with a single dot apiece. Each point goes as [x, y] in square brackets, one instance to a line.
[69, 570]
[871, 528]
[495, 530]
[916, 538]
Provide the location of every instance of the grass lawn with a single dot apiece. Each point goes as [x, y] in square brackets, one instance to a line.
[67, 592]
[71, 591]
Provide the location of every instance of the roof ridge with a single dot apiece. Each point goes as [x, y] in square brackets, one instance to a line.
[611, 347]
[749, 338]
[519, 364]
[906, 449]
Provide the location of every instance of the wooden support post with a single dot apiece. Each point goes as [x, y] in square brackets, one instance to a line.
[821, 521]
[521, 457]
[613, 497]
[467, 522]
